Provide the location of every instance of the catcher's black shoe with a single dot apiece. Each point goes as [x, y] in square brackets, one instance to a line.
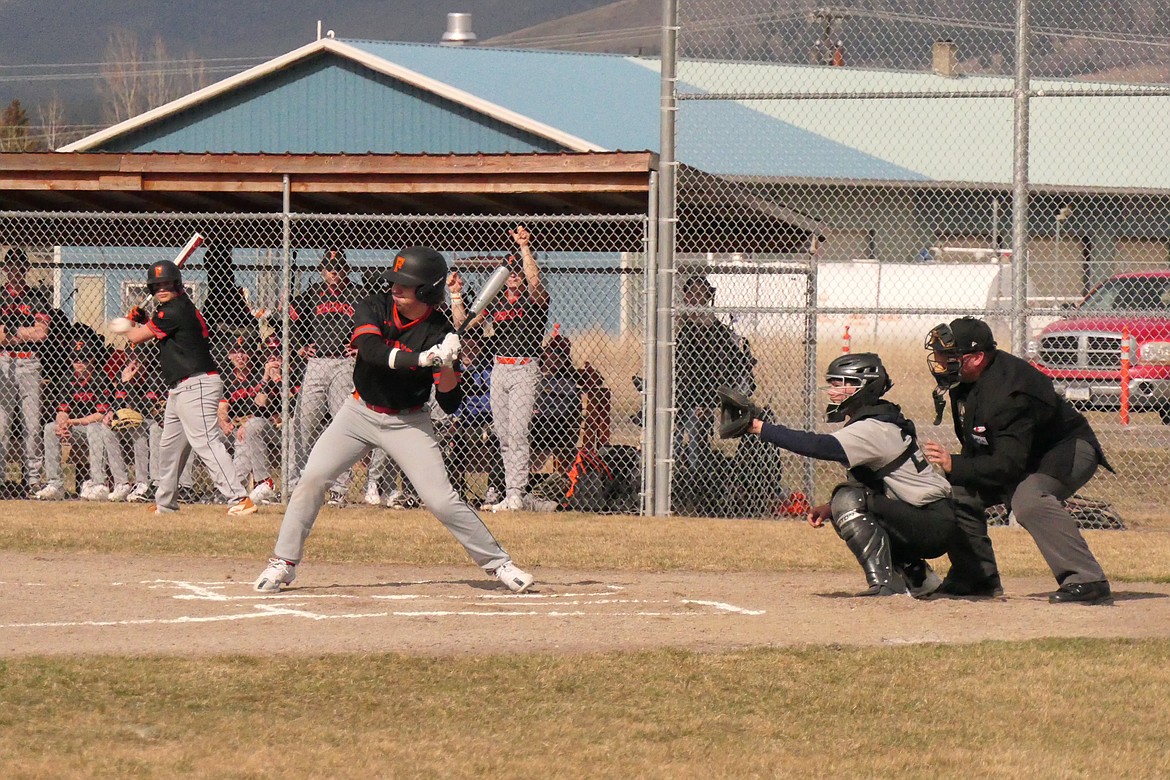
[880, 590]
[1083, 593]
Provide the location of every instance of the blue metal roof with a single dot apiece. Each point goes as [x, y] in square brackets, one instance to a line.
[328, 104]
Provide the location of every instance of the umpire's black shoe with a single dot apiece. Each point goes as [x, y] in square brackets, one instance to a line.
[988, 589]
[1083, 593]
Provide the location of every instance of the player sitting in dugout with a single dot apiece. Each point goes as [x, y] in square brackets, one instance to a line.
[893, 510]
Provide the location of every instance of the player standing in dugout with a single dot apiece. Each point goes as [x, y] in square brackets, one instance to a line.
[190, 420]
[405, 347]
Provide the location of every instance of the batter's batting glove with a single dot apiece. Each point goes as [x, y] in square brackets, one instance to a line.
[137, 315]
[126, 419]
[450, 349]
[432, 356]
[736, 412]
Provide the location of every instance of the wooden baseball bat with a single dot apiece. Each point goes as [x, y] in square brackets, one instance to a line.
[495, 283]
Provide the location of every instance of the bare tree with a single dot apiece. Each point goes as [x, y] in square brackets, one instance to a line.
[51, 116]
[122, 76]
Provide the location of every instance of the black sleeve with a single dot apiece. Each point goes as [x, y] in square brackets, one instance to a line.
[450, 400]
[821, 446]
[371, 347]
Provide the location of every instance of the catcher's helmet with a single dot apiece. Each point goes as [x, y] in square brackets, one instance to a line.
[162, 272]
[863, 370]
[423, 268]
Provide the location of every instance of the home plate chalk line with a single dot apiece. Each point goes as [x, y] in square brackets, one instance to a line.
[608, 602]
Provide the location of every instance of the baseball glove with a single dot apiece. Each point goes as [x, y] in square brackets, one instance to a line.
[736, 412]
[125, 419]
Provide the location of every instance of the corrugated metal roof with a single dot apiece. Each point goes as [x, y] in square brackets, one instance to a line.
[359, 96]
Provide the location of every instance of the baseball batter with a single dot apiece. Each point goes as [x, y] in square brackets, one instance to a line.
[405, 348]
[190, 419]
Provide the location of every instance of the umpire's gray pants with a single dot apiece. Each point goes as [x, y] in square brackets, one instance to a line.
[1038, 508]
[89, 436]
[191, 422]
[253, 450]
[326, 385]
[20, 385]
[410, 440]
[513, 396]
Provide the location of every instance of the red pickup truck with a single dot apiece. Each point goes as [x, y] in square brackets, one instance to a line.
[1082, 353]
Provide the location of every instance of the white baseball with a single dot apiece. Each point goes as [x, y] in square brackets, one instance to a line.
[121, 325]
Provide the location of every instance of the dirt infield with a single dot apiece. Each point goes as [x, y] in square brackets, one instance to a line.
[107, 604]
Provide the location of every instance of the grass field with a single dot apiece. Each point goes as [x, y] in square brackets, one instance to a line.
[1051, 708]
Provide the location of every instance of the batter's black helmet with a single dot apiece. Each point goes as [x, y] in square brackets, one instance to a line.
[161, 272]
[863, 370]
[423, 268]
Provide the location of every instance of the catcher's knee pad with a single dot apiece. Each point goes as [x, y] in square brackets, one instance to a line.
[849, 511]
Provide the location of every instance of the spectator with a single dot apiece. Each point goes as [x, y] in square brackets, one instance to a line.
[140, 387]
[472, 445]
[245, 419]
[83, 406]
[708, 355]
[25, 316]
[556, 420]
[323, 323]
[518, 318]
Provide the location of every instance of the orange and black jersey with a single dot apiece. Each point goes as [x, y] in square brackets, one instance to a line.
[239, 393]
[381, 336]
[323, 316]
[183, 346]
[81, 399]
[23, 307]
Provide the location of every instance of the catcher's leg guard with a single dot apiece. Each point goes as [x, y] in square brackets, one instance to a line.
[867, 540]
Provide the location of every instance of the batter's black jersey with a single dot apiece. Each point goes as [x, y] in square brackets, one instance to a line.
[183, 346]
[83, 398]
[519, 326]
[378, 331]
[323, 316]
[23, 307]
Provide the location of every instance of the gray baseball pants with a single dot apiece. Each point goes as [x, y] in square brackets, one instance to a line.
[91, 436]
[253, 451]
[186, 476]
[1038, 508]
[20, 385]
[513, 396]
[327, 383]
[410, 440]
[191, 422]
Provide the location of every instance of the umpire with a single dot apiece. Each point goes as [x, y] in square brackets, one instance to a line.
[1022, 445]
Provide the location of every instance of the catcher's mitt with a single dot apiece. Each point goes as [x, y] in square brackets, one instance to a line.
[736, 412]
[125, 419]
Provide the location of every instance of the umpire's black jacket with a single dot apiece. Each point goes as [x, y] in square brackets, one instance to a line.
[1011, 423]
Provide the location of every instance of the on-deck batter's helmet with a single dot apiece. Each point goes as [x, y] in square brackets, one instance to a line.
[863, 370]
[161, 272]
[423, 268]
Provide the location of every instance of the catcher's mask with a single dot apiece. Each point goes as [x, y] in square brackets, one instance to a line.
[861, 370]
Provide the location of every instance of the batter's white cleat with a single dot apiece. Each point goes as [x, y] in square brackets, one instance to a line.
[50, 493]
[242, 507]
[514, 577]
[120, 492]
[279, 572]
[373, 497]
[264, 492]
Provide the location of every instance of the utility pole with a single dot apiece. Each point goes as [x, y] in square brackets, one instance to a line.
[828, 17]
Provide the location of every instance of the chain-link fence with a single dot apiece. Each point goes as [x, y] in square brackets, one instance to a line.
[917, 148]
[278, 294]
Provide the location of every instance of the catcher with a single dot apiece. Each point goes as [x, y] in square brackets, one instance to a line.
[893, 511]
